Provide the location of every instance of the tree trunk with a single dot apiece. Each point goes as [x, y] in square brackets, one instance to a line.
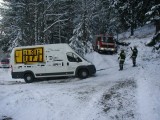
[84, 22]
[157, 24]
[36, 24]
[132, 29]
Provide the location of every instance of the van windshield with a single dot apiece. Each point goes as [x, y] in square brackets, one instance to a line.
[82, 57]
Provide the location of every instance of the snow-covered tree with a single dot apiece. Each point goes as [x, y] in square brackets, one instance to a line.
[82, 35]
[10, 31]
[29, 22]
[154, 15]
[60, 21]
[132, 12]
[37, 22]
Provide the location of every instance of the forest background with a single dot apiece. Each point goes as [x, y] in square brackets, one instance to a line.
[76, 22]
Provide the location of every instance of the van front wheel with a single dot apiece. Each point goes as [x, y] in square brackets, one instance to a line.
[83, 73]
[28, 78]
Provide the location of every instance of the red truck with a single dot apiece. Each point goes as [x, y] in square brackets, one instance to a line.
[105, 43]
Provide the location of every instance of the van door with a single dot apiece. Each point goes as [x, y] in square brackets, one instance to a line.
[55, 64]
[73, 61]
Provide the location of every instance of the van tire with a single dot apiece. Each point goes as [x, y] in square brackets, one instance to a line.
[83, 73]
[29, 78]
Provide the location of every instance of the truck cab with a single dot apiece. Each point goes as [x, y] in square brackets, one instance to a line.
[105, 43]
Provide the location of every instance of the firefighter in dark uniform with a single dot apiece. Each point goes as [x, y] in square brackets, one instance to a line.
[121, 59]
[134, 55]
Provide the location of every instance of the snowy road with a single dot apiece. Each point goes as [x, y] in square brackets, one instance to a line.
[67, 99]
[109, 95]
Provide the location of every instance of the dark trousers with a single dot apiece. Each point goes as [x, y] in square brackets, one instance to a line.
[121, 62]
[134, 60]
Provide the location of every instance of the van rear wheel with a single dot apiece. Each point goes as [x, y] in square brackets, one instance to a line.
[83, 73]
[29, 78]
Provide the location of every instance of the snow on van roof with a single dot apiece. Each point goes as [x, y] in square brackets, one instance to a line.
[59, 44]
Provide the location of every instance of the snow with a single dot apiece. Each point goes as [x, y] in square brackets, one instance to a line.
[131, 94]
[141, 32]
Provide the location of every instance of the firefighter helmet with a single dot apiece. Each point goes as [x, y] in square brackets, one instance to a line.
[135, 47]
[122, 50]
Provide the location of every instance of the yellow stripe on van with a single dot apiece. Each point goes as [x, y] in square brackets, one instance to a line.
[29, 55]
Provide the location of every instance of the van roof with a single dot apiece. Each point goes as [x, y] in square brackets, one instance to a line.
[60, 45]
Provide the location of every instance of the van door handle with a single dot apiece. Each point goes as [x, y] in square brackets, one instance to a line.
[67, 63]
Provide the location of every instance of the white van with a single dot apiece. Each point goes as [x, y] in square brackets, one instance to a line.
[52, 60]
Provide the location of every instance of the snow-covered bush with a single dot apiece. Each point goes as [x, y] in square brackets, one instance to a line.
[80, 47]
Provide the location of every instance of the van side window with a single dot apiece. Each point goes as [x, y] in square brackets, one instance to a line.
[73, 58]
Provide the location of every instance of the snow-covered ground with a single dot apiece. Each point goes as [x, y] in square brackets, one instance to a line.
[131, 94]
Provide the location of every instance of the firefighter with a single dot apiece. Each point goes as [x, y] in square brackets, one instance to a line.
[134, 55]
[121, 59]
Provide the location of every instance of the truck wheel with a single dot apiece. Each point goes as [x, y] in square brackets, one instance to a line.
[28, 78]
[83, 73]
